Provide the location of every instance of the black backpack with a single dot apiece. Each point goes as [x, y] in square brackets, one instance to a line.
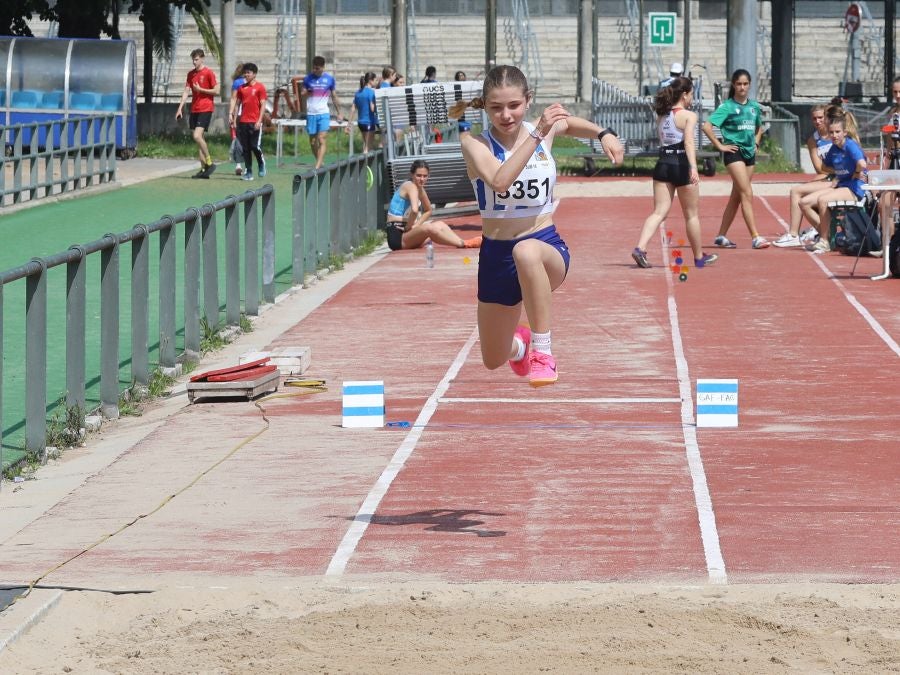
[894, 253]
[858, 235]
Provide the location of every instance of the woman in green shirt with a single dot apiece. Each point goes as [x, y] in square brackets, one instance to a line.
[740, 121]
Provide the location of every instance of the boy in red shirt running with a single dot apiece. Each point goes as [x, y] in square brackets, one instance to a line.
[201, 84]
[252, 100]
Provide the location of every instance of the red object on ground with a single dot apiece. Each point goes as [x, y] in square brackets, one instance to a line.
[250, 374]
[209, 374]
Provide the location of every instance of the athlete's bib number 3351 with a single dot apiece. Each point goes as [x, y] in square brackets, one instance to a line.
[530, 189]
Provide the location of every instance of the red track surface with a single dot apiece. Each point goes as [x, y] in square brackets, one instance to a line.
[554, 488]
[805, 488]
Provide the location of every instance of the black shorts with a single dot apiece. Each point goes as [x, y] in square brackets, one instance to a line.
[394, 232]
[200, 120]
[674, 170]
[366, 128]
[731, 157]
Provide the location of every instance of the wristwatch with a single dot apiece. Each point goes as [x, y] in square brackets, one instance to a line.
[607, 130]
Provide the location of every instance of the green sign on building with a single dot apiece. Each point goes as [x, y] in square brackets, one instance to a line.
[662, 28]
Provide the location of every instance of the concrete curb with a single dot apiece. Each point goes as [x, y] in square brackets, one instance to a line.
[22, 615]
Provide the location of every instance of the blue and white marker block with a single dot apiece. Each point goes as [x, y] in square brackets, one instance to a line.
[363, 404]
[717, 403]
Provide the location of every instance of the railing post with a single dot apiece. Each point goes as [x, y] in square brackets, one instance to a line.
[109, 329]
[358, 211]
[268, 251]
[210, 266]
[192, 285]
[36, 358]
[310, 224]
[76, 320]
[297, 232]
[251, 256]
[323, 219]
[167, 294]
[232, 265]
[334, 199]
[1, 379]
[140, 306]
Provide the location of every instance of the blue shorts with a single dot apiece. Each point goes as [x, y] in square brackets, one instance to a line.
[498, 280]
[318, 124]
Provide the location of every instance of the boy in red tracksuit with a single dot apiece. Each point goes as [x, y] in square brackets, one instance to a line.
[202, 87]
[251, 97]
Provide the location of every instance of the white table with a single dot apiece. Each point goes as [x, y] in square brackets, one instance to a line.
[282, 122]
[885, 235]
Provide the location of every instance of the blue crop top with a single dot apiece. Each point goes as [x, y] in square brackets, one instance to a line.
[531, 194]
[399, 205]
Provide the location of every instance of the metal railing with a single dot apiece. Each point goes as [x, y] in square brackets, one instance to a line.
[334, 208]
[56, 156]
[784, 129]
[201, 268]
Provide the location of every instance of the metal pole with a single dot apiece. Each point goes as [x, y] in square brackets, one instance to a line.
[640, 88]
[109, 329]
[783, 46]
[686, 59]
[227, 31]
[310, 33]
[585, 43]
[36, 359]
[890, 47]
[399, 38]
[75, 329]
[595, 41]
[490, 36]
[740, 49]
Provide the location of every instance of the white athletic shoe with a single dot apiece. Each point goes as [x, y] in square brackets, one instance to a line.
[787, 240]
[809, 236]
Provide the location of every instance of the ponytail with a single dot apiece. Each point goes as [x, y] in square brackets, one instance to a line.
[458, 109]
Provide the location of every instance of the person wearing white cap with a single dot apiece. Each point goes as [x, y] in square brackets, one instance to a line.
[675, 70]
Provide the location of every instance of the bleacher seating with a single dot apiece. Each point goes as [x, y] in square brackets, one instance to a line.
[25, 99]
[84, 100]
[111, 102]
[52, 100]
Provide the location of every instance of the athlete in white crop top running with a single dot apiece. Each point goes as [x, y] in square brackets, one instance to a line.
[523, 259]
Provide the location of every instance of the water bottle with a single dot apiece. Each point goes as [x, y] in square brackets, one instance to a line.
[429, 254]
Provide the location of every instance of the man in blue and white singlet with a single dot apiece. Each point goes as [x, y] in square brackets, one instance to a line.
[318, 87]
[523, 258]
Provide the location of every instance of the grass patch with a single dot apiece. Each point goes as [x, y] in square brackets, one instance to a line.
[65, 425]
[211, 340]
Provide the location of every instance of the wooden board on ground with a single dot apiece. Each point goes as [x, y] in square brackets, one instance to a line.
[247, 389]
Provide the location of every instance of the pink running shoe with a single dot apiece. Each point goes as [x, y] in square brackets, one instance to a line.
[523, 366]
[543, 369]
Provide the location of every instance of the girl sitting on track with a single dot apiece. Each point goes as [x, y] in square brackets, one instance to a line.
[407, 227]
[676, 169]
[803, 196]
[740, 120]
[523, 259]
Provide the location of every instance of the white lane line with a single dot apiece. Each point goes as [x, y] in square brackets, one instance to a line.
[363, 517]
[567, 401]
[715, 564]
[858, 306]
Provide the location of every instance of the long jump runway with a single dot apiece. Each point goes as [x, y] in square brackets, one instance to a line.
[601, 477]
[604, 476]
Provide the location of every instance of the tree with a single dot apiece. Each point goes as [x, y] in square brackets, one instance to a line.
[14, 15]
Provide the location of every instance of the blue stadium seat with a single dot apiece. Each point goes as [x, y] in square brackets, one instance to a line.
[84, 100]
[2, 97]
[24, 99]
[52, 100]
[111, 102]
